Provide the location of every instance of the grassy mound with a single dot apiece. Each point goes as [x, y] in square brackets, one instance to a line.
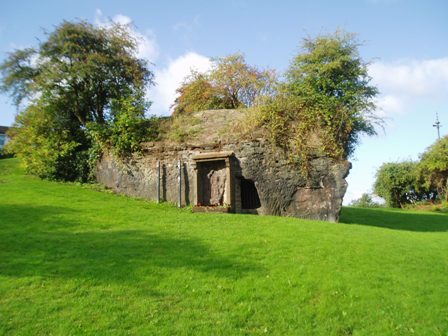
[77, 261]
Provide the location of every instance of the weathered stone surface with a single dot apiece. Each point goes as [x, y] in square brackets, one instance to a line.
[282, 189]
[213, 183]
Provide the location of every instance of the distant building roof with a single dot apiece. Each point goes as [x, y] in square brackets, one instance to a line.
[3, 129]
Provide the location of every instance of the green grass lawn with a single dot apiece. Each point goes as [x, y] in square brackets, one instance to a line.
[74, 260]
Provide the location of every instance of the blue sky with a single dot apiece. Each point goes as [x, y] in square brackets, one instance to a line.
[404, 41]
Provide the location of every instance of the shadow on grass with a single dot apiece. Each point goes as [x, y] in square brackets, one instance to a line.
[396, 219]
[41, 242]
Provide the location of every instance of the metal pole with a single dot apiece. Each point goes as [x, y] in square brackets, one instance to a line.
[158, 181]
[179, 179]
[437, 125]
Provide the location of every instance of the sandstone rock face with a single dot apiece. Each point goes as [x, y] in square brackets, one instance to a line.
[213, 183]
[251, 177]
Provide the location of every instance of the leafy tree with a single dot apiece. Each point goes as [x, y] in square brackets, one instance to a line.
[231, 83]
[197, 94]
[433, 167]
[365, 201]
[18, 74]
[123, 135]
[239, 84]
[408, 182]
[396, 182]
[326, 102]
[74, 81]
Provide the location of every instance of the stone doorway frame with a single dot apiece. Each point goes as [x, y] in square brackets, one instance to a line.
[225, 156]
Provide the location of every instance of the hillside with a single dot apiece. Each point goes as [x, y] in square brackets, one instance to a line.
[77, 259]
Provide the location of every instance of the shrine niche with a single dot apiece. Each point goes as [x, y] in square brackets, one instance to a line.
[214, 181]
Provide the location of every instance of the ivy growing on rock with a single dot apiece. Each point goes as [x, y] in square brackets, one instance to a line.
[325, 103]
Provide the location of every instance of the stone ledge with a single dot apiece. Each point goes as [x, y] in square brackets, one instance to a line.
[212, 156]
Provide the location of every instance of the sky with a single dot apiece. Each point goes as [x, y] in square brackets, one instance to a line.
[404, 42]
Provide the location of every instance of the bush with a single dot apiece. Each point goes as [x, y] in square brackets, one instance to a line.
[47, 148]
[433, 168]
[399, 185]
[365, 201]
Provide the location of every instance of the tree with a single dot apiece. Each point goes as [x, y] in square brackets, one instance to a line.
[333, 84]
[230, 83]
[197, 94]
[396, 182]
[18, 74]
[325, 103]
[433, 167]
[74, 80]
[365, 201]
[239, 84]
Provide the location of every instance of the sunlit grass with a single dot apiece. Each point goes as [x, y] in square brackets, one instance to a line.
[78, 261]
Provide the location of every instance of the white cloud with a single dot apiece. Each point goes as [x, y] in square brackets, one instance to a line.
[417, 78]
[169, 79]
[147, 47]
[389, 104]
[403, 83]
[122, 19]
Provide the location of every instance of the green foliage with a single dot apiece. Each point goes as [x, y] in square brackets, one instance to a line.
[96, 263]
[397, 182]
[433, 167]
[18, 74]
[230, 83]
[365, 201]
[443, 207]
[81, 77]
[124, 134]
[197, 94]
[325, 103]
[409, 182]
[87, 68]
[182, 127]
[48, 147]
[239, 84]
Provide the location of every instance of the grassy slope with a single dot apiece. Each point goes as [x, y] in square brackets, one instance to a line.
[77, 261]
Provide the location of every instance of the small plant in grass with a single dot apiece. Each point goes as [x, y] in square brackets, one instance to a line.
[441, 207]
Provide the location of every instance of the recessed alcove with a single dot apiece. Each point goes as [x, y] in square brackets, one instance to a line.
[249, 195]
[211, 183]
[214, 181]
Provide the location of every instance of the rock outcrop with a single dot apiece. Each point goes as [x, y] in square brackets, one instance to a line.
[241, 175]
